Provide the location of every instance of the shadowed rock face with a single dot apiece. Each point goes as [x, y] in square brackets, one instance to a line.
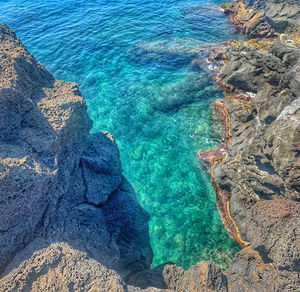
[57, 181]
[41, 120]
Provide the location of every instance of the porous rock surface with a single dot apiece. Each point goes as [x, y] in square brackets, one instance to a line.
[61, 268]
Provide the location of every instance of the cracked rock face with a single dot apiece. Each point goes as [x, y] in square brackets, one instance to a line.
[57, 181]
[263, 159]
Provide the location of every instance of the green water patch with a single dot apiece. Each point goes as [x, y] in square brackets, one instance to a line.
[132, 60]
[158, 155]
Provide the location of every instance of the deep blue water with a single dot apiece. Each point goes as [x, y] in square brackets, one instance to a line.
[132, 60]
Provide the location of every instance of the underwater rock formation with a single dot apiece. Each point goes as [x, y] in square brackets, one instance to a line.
[170, 53]
[188, 91]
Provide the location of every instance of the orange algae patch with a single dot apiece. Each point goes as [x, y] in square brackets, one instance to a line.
[212, 158]
[221, 82]
[260, 43]
[242, 242]
[255, 17]
[296, 40]
[240, 14]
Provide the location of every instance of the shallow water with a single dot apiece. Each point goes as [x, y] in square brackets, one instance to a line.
[132, 60]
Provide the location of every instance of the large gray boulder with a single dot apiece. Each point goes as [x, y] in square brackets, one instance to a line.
[41, 120]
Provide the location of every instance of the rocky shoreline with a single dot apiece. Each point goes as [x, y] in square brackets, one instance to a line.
[256, 170]
[70, 220]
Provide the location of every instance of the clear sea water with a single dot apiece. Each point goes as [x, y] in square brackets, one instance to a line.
[132, 60]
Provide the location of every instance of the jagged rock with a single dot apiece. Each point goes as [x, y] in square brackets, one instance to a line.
[261, 163]
[169, 277]
[264, 17]
[57, 181]
[271, 263]
[41, 120]
[165, 276]
[274, 231]
[203, 277]
[101, 167]
[260, 172]
[248, 272]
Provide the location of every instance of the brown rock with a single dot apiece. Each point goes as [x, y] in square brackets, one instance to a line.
[263, 17]
[164, 276]
[248, 272]
[203, 277]
[61, 268]
[274, 231]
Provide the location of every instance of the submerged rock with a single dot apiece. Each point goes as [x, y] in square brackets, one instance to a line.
[170, 53]
[185, 92]
[198, 14]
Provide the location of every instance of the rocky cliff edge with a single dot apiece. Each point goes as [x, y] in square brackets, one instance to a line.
[58, 182]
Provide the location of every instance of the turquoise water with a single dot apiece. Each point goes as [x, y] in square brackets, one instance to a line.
[132, 60]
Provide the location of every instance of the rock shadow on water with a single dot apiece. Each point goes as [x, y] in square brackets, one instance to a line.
[162, 29]
[197, 8]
